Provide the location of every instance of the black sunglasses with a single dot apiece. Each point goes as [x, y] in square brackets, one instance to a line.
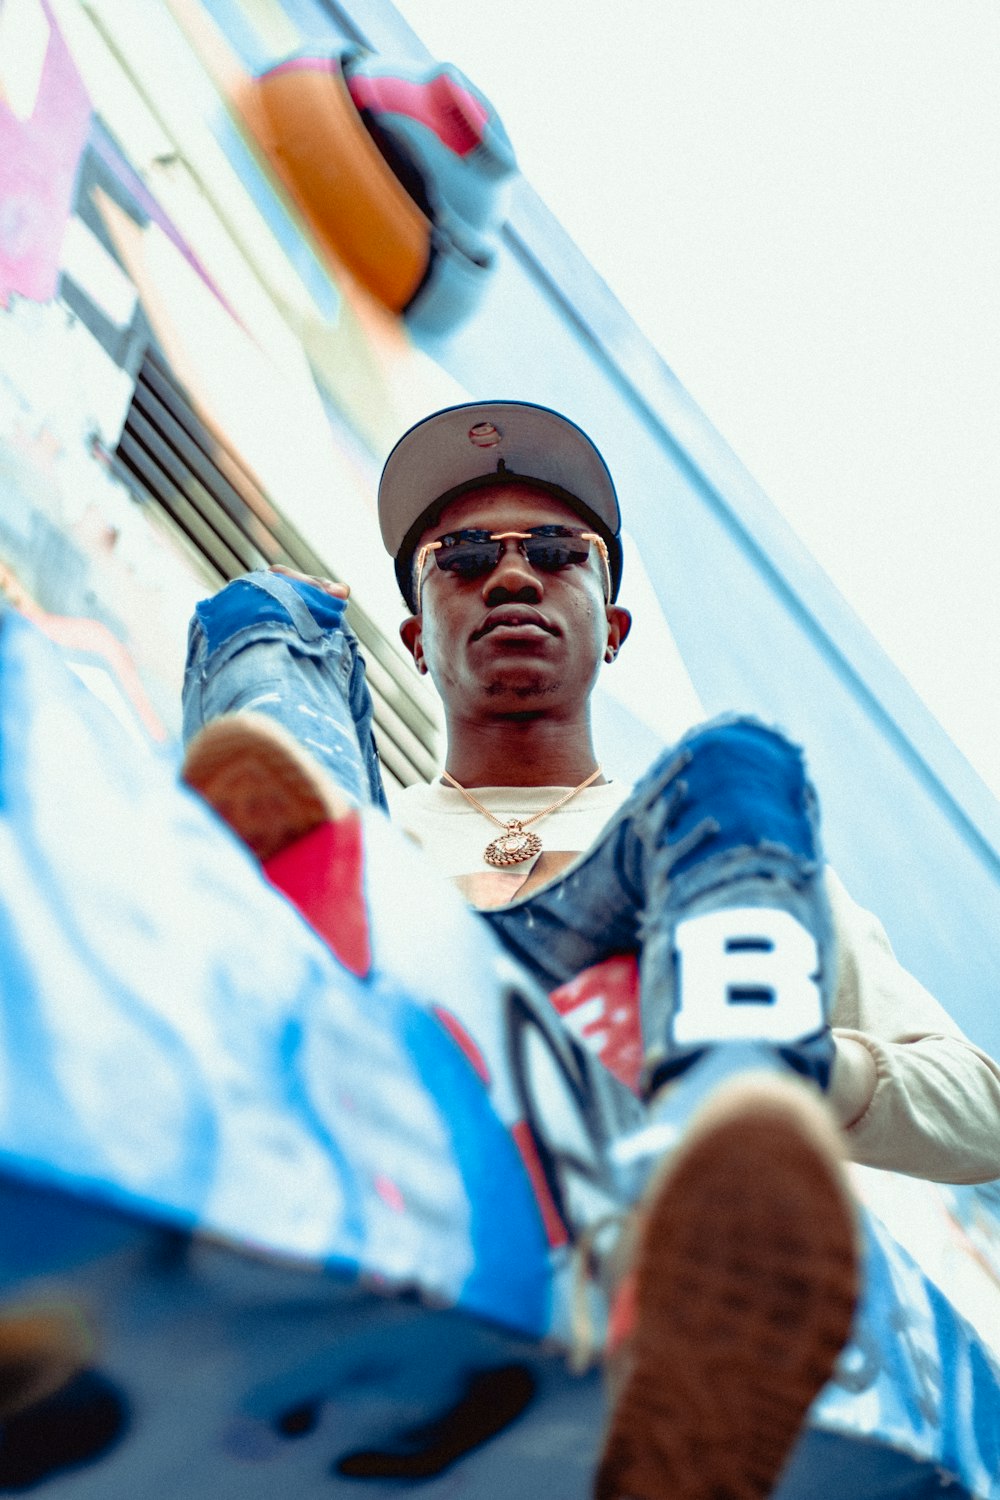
[473, 554]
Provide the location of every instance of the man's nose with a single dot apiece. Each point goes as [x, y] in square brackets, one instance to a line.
[512, 578]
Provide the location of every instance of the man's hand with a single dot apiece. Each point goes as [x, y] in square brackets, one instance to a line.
[335, 590]
[852, 1086]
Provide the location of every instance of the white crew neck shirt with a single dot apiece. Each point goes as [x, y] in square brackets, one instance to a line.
[454, 834]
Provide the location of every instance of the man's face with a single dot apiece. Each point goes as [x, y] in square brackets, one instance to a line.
[517, 641]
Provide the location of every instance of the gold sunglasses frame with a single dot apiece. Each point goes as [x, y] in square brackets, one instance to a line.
[504, 536]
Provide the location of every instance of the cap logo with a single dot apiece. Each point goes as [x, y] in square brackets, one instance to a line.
[485, 435]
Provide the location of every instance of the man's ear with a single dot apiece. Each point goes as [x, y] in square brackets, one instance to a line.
[619, 625]
[412, 635]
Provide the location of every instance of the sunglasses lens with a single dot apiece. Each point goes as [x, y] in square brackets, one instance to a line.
[468, 560]
[552, 554]
[472, 557]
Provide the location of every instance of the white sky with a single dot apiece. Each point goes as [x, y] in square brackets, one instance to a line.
[798, 202]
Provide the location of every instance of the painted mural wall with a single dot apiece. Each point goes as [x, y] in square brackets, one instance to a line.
[193, 381]
[174, 320]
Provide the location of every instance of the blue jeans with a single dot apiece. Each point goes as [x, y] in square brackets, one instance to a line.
[725, 822]
[284, 649]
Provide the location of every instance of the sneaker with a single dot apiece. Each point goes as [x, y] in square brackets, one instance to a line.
[738, 1298]
[261, 782]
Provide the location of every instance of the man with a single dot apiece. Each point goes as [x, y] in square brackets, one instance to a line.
[761, 984]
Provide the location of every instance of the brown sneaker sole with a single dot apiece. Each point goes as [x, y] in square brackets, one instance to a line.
[746, 1279]
[260, 782]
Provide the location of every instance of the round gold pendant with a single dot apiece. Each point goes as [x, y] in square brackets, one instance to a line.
[512, 847]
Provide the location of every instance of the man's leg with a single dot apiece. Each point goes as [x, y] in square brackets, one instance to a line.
[712, 871]
[741, 1276]
[274, 687]
[283, 649]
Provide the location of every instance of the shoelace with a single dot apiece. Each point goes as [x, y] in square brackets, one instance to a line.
[587, 1259]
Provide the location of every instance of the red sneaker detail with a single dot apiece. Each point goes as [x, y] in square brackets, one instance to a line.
[322, 874]
[601, 1009]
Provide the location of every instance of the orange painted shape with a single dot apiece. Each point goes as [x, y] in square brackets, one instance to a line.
[322, 875]
[309, 128]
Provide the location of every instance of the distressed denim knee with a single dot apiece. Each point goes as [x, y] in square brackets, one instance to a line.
[736, 934]
[284, 649]
[728, 822]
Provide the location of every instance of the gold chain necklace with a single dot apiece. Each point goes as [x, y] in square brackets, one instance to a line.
[516, 846]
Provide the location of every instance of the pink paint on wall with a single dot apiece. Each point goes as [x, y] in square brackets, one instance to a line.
[39, 157]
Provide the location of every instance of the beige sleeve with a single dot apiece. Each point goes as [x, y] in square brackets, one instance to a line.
[935, 1112]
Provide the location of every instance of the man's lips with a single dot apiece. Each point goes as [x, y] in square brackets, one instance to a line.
[513, 619]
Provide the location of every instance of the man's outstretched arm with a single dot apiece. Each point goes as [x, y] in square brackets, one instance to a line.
[929, 1098]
